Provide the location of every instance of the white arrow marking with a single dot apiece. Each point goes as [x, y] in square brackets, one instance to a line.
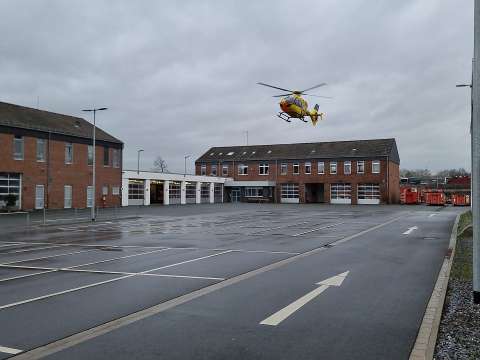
[8, 350]
[284, 313]
[432, 215]
[410, 230]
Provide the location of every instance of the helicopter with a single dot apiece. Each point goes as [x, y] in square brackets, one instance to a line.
[295, 107]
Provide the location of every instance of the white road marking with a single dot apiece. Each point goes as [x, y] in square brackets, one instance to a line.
[187, 261]
[8, 350]
[28, 275]
[46, 257]
[317, 229]
[284, 313]
[33, 249]
[410, 230]
[432, 215]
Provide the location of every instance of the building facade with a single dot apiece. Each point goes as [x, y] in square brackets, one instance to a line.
[342, 172]
[47, 161]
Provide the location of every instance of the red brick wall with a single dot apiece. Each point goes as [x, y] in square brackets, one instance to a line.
[78, 174]
[389, 194]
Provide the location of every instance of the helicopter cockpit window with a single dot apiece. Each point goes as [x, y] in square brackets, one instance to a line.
[290, 100]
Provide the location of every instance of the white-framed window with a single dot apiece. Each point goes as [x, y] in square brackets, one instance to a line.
[67, 196]
[283, 169]
[375, 167]
[213, 170]
[41, 150]
[253, 192]
[242, 169]
[105, 190]
[90, 155]
[263, 169]
[39, 196]
[308, 167]
[68, 153]
[106, 156]
[361, 167]
[296, 168]
[321, 168]
[333, 167]
[89, 196]
[224, 170]
[116, 158]
[289, 191]
[115, 190]
[347, 167]
[203, 170]
[18, 147]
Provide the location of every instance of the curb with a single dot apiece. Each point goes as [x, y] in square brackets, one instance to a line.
[427, 335]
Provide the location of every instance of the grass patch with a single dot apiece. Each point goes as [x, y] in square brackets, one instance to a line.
[462, 268]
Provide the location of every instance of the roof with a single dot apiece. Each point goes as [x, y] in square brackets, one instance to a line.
[17, 116]
[318, 150]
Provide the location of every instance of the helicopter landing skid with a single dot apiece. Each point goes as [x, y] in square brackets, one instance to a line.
[284, 116]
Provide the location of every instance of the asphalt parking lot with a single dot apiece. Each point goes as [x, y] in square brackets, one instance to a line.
[242, 281]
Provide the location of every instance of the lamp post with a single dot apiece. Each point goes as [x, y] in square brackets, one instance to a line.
[138, 160]
[185, 158]
[94, 110]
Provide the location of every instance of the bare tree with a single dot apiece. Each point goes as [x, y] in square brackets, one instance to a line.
[160, 165]
[420, 173]
[453, 172]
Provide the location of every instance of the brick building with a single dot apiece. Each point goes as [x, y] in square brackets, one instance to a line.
[340, 172]
[46, 161]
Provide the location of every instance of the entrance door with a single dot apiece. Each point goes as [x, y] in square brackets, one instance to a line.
[236, 195]
[67, 200]
[39, 197]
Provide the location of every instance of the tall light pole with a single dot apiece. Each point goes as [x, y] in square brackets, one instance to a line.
[94, 110]
[138, 160]
[186, 157]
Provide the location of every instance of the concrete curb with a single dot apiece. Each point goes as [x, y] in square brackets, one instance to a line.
[427, 335]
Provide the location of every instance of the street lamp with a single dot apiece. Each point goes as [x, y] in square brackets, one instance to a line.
[186, 157]
[138, 160]
[94, 110]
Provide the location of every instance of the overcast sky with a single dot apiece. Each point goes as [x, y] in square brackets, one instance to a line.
[180, 76]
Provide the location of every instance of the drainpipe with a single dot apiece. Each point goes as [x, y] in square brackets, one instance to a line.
[48, 172]
[388, 181]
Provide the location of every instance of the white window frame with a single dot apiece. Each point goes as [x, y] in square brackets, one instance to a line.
[362, 164]
[89, 196]
[203, 170]
[308, 168]
[39, 202]
[224, 170]
[115, 190]
[41, 150]
[283, 169]
[116, 158]
[68, 153]
[21, 142]
[213, 170]
[242, 169]
[321, 168]
[263, 169]
[67, 201]
[254, 192]
[105, 190]
[376, 163]
[333, 165]
[347, 165]
[296, 165]
[90, 152]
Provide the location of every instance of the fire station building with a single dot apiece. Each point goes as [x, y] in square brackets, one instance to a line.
[339, 172]
[46, 161]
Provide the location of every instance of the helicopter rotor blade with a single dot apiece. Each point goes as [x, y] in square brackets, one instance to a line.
[319, 96]
[314, 87]
[274, 87]
[282, 95]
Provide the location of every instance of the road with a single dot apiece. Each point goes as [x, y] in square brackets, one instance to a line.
[238, 282]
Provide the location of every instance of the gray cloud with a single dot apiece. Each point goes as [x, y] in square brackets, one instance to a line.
[179, 77]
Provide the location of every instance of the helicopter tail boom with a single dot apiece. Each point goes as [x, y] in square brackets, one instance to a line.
[314, 115]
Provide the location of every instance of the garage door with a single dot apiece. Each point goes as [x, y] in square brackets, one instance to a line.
[369, 194]
[340, 194]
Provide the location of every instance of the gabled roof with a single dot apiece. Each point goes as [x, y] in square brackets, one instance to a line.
[17, 116]
[319, 150]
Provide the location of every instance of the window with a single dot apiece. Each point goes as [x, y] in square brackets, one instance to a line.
[67, 196]
[296, 168]
[116, 158]
[376, 167]
[9, 185]
[340, 193]
[347, 167]
[224, 170]
[368, 191]
[308, 167]
[203, 170]
[41, 149]
[18, 148]
[242, 169]
[68, 153]
[115, 190]
[284, 169]
[106, 156]
[289, 191]
[263, 169]
[253, 192]
[89, 196]
[105, 190]
[360, 167]
[333, 167]
[321, 167]
[213, 170]
[90, 155]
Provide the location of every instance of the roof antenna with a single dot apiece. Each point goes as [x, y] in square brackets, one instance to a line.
[38, 102]
[246, 133]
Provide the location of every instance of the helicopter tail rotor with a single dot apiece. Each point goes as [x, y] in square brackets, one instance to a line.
[314, 114]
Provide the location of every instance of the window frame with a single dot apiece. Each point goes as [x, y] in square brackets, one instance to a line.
[331, 166]
[263, 168]
[203, 170]
[224, 170]
[309, 165]
[90, 155]
[67, 146]
[283, 166]
[362, 163]
[106, 156]
[296, 165]
[213, 170]
[17, 139]
[374, 163]
[322, 166]
[41, 150]
[349, 164]
[242, 169]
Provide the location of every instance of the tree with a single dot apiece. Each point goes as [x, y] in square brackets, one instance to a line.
[453, 173]
[417, 173]
[160, 165]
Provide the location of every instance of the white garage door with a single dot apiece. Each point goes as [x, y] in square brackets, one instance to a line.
[369, 194]
[340, 194]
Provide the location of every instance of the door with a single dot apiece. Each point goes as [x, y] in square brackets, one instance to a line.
[39, 197]
[369, 194]
[67, 197]
[236, 195]
[89, 196]
[340, 194]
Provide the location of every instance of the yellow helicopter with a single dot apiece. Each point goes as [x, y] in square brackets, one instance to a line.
[295, 107]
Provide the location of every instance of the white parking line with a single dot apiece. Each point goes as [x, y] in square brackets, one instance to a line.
[187, 261]
[8, 350]
[28, 275]
[47, 257]
[317, 229]
[33, 249]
